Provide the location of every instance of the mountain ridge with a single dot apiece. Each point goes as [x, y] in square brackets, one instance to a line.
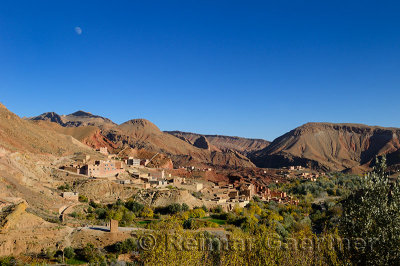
[320, 145]
[330, 146]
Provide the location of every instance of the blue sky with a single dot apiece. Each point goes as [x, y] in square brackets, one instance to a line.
[244, 68]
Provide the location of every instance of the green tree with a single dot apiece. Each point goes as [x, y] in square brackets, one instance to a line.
[147, 212]
[134, 206]
[69, 252]
[371, 219]
[174, 208]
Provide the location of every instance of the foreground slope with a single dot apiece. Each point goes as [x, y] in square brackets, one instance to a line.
[17, 134]
[329, 146]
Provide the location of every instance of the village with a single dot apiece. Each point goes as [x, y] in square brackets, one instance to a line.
[135, 173]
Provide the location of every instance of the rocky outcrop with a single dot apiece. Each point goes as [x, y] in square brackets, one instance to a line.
[202, 143]
[51, 117]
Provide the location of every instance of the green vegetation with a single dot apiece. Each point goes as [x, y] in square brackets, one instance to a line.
[66, 187]
[355, 220]
[83, 198]
[7, 261]
[372, 215]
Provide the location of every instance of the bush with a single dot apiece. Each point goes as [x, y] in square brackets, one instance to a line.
[174, 208]
[65, 187]
[124, 247]
[197, 213]
[217, 209]
[101, 213]
[8, 261]
[185, 207]
[69, 252]
[220, 216]
[147, 212]
[91, 254]
[94, 204]
[83, 198]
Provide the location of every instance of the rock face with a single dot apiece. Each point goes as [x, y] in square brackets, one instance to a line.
[329, 146]
[50, 116]
[202, 143]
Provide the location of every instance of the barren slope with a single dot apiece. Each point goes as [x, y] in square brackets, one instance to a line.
[17, 134]
[92, 136]
[223, 143]
[329, 146]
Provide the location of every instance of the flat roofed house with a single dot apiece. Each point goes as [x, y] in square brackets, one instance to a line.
[70, 196]
[102, 169]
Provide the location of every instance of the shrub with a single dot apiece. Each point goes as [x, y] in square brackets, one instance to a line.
[91, 254]
[83, 198]
[69, 252]
[185, 207]
[147, 212]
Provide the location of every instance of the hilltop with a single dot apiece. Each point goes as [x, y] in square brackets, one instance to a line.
[79, 118]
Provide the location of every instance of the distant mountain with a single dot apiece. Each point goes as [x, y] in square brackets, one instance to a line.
[329, 146]
[79, 118]
[223, 143]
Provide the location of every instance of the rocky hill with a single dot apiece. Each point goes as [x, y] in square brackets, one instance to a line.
[223, 143]
[79, 118]
[17, 134]
[329, 146]
[142, 134]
